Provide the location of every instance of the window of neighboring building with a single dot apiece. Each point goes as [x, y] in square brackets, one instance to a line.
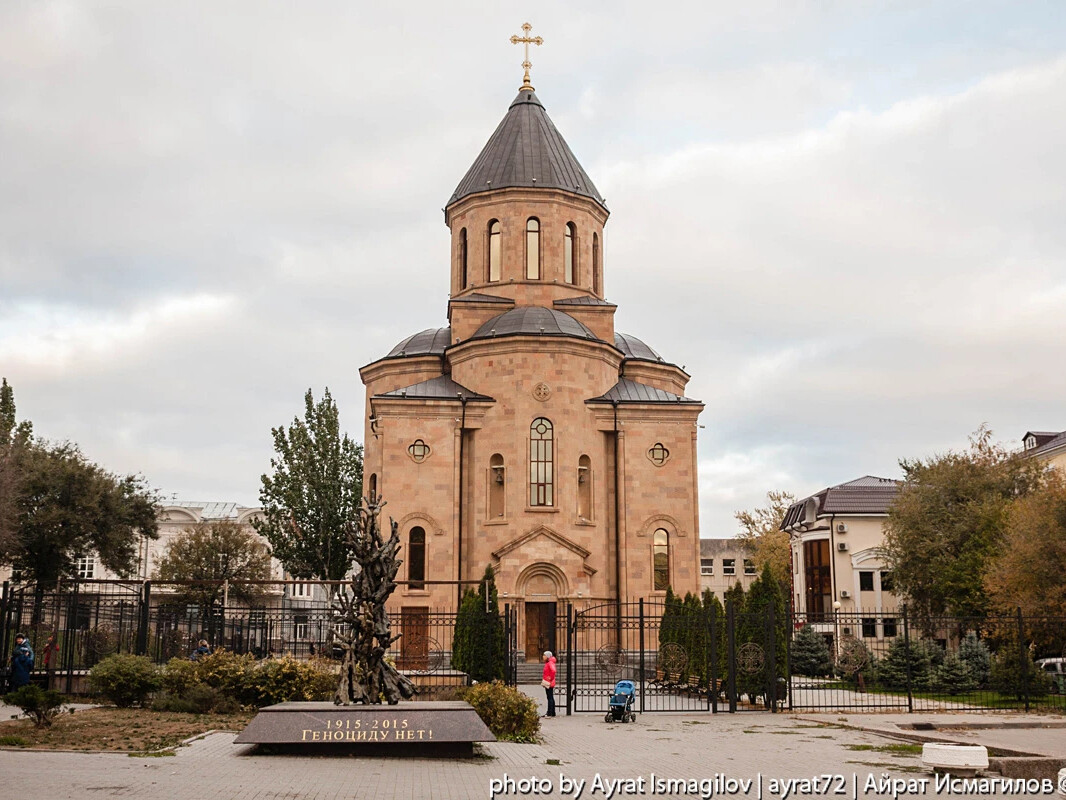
[541, 463]
[661, 559]
[494, 250]
[869, 627]
[816, 573]
[418, 450]
[729, 566]
[887, 584]
[658, 454]
[301, 625]
[596, 280]
[584, 487]
[888, 625]
[533, 249]
[568, 252]
[302, 590]
[706, 566]
[749, 566]
[85, 568]
[496, 485]
[416, 558]
[866, 581]
[463, 277]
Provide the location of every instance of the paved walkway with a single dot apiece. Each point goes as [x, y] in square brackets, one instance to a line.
[670, 746]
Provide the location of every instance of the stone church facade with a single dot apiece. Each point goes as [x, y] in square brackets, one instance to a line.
[528, 433]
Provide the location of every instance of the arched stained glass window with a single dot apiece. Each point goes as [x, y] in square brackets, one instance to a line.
[661, 559]
[494, 250]
[416, 558]
[568, 252]
[541, 463]
[533, 249]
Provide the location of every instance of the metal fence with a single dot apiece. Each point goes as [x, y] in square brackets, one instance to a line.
[74, 626]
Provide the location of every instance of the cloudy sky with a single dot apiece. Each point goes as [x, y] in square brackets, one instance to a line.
[845, 218]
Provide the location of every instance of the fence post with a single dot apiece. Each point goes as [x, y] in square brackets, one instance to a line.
[771, 660]
[69, 639]
[571, 690]
[712, 688]
[1023, 659]
[790, 629]
[5, 611]
[642, 675]
[730, 637]
[145, 616]
[907, 660]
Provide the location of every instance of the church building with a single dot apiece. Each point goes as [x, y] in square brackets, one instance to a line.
[528, 433]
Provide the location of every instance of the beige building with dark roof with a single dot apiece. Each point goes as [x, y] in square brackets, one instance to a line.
[528, 433]
[1047, 446]
[837, 562]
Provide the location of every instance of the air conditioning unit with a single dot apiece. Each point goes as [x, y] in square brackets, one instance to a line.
[842, 547]
[845, 594]
[842, 527]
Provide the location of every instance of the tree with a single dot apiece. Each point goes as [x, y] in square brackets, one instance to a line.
[68, 507]
[14, 437]
[945, 525]
[314, 493]
[213, 552]
[810, 654]
[975, 655]
[762, 535]
[1028, 570]
[479, 645]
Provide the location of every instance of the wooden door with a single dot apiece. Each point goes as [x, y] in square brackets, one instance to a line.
[540, 629]
[414, 644]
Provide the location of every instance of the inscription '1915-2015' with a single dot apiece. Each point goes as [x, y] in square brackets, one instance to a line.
[377, 730]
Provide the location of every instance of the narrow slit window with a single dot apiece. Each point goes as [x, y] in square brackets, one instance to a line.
[416, 558]
[497, 481]
[661, 559]
[568, 252]
[596, 281]
[494, 250]
[463, 276]
[533, 249]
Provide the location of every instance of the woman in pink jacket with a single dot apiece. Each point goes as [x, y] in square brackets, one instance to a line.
[548, 681]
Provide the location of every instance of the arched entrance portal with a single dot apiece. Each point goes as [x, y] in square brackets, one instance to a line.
[541, 585]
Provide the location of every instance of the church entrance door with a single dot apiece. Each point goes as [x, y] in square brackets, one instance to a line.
[540, 629]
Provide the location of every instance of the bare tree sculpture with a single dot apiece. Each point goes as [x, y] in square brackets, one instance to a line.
[362, 623]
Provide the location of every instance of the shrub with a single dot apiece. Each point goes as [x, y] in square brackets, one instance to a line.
[509, 714]
[284, 679]
[954, 676]
[125, 679]
[41, 705]
[1008, 678]
[225, 671]
[178, 676]
[922, 656]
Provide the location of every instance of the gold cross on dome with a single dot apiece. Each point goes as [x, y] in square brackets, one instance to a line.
[526, 40]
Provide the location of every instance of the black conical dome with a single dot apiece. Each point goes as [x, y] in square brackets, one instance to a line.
[526, 150]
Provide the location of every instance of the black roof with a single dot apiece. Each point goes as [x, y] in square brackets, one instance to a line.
[526, 150]
[866, 495]
[535, 320]
[431, 341]
[478, 297]
[632, 347]
[582, 300]
[630, 391]
[440, 388]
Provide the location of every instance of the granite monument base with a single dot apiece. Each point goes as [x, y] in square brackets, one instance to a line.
[420, 728]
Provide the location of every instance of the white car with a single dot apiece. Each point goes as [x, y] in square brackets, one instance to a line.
[1055, 669]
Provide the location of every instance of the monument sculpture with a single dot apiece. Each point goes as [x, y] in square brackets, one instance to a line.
[361, 625]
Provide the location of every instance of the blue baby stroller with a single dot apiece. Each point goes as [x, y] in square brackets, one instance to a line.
[621, 707]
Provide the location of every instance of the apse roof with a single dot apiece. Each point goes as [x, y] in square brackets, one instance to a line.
[630, 391]
[526, 150]
[632, 347]
[431, 341]
[535, 320]
[440, 388]
[583, 300]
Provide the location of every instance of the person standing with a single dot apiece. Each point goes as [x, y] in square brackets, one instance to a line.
[21, 662]
[548, 681]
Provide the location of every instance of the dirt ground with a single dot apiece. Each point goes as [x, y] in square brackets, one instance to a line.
[133, 730]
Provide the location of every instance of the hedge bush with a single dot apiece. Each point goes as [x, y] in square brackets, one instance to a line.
[41, 705]
[125, 680]
[509, 714]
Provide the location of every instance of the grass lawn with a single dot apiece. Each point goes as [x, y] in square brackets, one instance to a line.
[128, 730]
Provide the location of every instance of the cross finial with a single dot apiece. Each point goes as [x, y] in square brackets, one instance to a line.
[526, 40]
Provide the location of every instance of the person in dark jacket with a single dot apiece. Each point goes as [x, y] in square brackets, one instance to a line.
[202, 650]
[21, 662]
